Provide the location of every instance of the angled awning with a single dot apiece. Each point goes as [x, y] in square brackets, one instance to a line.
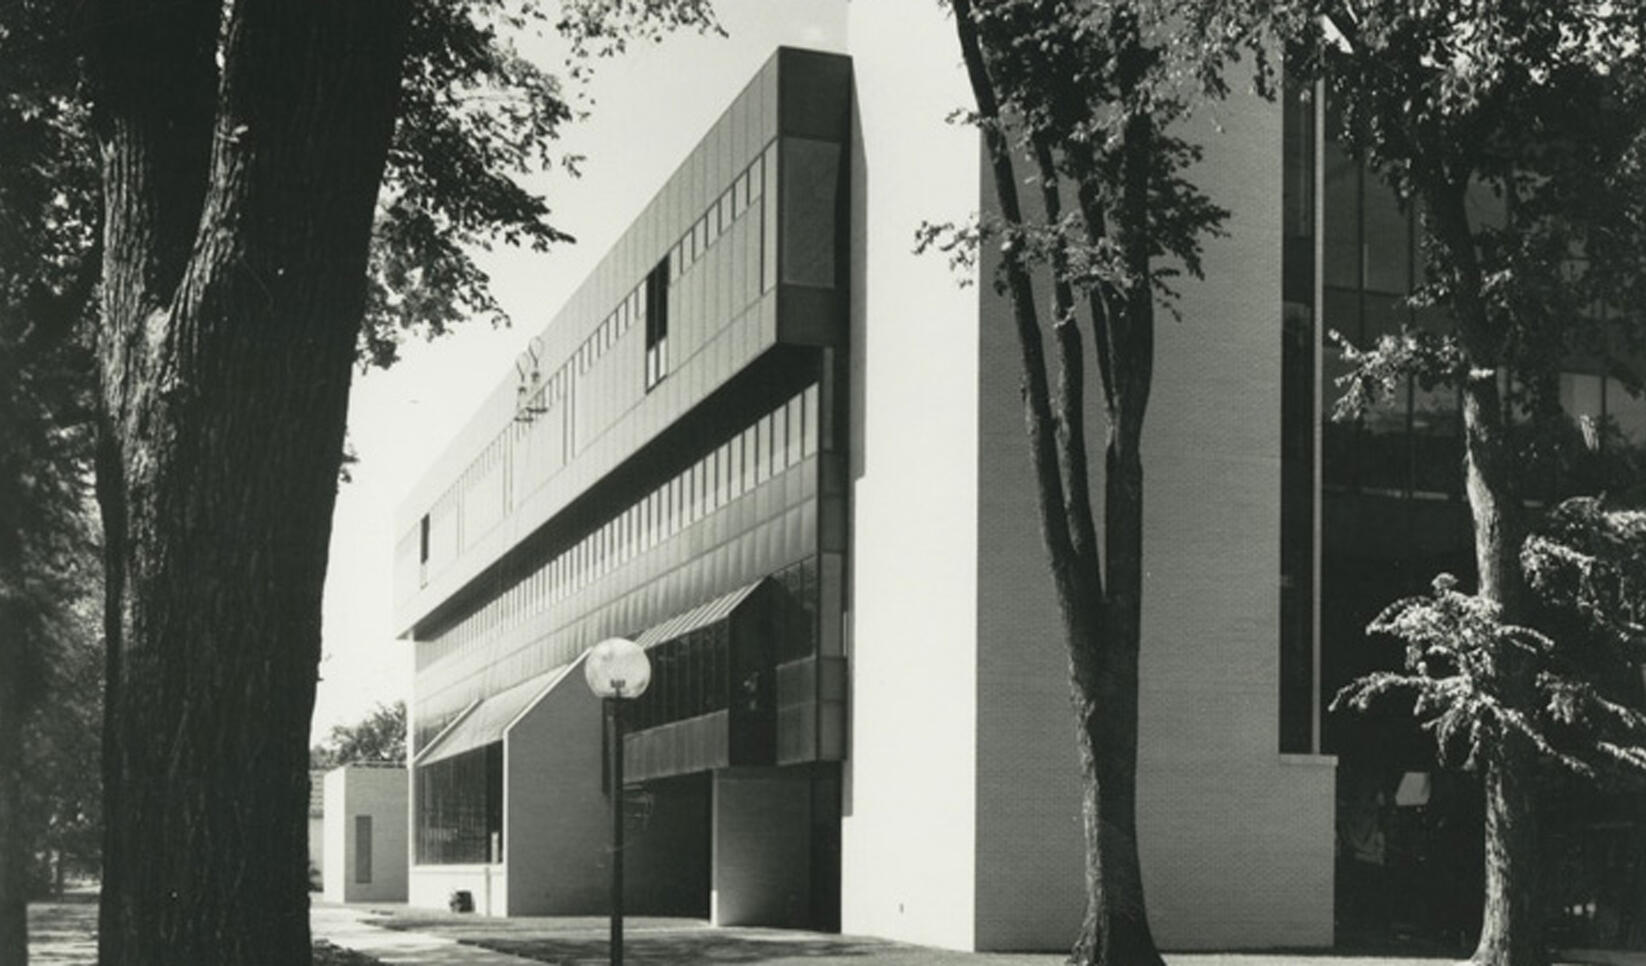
[698, 617]
[486, 721]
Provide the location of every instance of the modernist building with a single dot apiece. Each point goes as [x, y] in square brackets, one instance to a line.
[785, 454]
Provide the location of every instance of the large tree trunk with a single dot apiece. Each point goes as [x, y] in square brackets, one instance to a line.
[230, 314]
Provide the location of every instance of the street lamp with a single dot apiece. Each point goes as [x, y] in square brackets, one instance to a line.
[617, 669]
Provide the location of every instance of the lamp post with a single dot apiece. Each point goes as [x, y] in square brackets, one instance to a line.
[617, 669]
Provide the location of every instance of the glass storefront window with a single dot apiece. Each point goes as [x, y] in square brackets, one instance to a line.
[1388, 239]
[1341, 240]
[459, 816]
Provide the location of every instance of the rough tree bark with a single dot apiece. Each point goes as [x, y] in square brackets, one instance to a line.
[238, 204]
[1099, 598]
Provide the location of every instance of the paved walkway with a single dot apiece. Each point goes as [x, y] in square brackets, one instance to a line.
[351, 927]
[64, 934]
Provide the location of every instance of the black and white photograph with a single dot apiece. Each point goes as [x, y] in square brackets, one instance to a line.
[825, 482]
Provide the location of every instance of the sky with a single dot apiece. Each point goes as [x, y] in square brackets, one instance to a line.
[651, 106]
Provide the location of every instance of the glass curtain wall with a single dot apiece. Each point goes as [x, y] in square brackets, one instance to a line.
[460, 808]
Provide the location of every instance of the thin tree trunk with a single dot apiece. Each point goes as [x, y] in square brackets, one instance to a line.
[1511, 932]
[14, 932]
[1115, 930]
[225, 383]
[1511, 929]
[1099, 601]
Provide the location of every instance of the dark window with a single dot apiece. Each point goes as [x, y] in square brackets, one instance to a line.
[1297, 427]
[460, 808]
[423, 540]
[362, 848]
[657, 323]
[811, 185]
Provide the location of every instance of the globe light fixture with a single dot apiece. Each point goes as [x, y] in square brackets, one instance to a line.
[617, 670]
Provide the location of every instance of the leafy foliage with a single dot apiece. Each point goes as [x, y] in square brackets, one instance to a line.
[50, 637]
[62, 789]
[378, 737]
[477, 120]
[1070, 76]
[1587, 566]
[1540, 109]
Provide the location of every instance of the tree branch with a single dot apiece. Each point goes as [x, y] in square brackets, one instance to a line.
[1070, 401]
[153, 73]
[1042, 426]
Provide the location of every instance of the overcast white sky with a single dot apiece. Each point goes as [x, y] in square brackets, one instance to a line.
[651, 106]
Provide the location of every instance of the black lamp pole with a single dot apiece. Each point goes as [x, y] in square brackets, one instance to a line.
[617, 827]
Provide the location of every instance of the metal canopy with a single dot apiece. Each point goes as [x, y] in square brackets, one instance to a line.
[485, 722]
[698, 617]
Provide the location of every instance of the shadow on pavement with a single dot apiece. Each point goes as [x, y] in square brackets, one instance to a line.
[705, 946]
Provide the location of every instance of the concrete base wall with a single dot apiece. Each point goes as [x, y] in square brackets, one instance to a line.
[431, 887]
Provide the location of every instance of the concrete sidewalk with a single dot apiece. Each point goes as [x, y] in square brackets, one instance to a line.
[351, 928]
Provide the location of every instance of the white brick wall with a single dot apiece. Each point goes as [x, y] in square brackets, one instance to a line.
[1219, 808]
[908, 829]
[962, 795]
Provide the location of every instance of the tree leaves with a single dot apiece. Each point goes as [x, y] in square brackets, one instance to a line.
[378, 737]
[1587, 564]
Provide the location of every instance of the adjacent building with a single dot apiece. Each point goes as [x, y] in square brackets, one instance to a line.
[365, 833]
[786, 455]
